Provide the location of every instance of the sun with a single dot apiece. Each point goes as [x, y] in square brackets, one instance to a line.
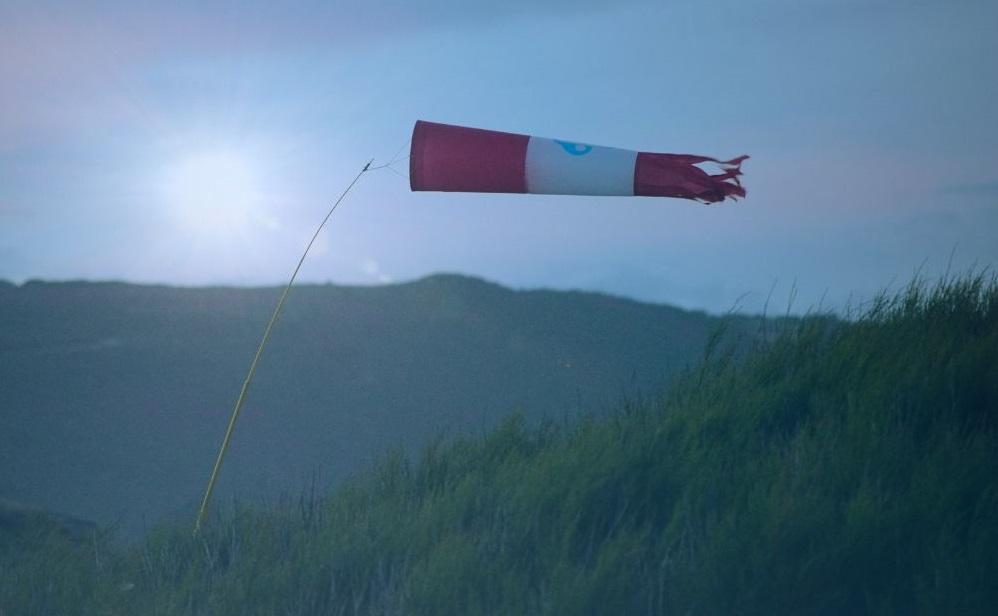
[216, 195]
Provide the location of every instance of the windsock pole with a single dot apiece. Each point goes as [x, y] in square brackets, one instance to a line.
[259, 352]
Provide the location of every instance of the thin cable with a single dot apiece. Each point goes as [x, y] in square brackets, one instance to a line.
[399, 173]
[395, 158]
[390, 164]
[259, 351]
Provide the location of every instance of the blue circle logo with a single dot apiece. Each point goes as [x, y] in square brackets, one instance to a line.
[575, 149]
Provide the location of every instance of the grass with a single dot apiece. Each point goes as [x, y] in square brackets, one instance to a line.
[840, 468]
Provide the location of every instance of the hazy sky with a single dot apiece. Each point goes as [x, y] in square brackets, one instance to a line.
[182, 144]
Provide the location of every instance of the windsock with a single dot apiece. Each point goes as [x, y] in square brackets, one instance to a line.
[460, 159]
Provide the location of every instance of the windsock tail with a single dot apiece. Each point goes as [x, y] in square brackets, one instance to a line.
[685, 176]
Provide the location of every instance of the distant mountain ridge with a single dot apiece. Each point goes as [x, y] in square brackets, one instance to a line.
[114, 396]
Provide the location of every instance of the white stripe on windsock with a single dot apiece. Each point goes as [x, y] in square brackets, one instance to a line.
[556, 167]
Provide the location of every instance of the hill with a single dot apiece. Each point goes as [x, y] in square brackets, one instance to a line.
[114, 396]
[838, 470]
[20, 525]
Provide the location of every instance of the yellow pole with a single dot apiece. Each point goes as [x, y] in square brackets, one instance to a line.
[256, 358]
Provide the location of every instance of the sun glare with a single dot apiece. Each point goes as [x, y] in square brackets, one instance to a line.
[216, 195]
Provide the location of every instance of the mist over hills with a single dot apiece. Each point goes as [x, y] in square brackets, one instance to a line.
[114, 396]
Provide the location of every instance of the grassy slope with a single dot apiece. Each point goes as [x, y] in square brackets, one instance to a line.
[113, 396]
[839, 470]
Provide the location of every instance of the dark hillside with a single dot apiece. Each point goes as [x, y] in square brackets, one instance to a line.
[113, 397]
[839, 470]
[20, 525]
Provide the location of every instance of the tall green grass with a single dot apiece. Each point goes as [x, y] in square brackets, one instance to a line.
[840, 468]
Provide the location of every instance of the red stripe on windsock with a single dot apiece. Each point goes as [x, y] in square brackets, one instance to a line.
[460, 159]
[676, 175]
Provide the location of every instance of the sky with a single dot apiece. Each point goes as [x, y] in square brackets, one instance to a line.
[201, 143]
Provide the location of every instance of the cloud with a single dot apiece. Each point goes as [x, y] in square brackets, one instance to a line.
[372, 269]
[8, 210]
[10, 261]
[65, 67]
[975, 189]
[42, 41]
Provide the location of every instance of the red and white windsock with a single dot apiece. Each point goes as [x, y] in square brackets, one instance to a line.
[460, 159]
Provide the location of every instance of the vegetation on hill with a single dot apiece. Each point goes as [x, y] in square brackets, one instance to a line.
[840, 469]
[114, 396]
